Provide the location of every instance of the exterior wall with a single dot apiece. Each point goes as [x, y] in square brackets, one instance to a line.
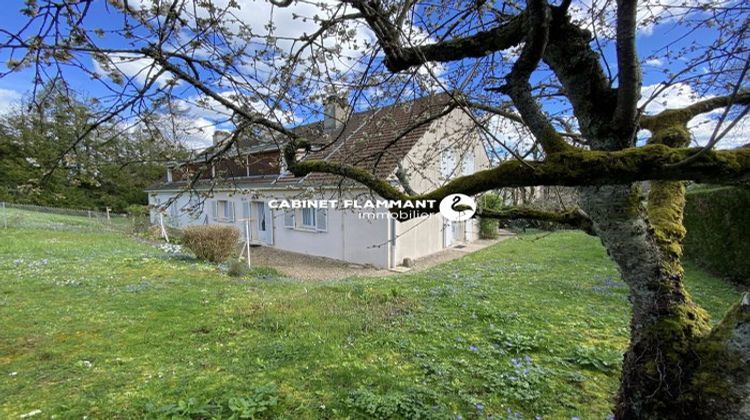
[423, 162]
[380, 242]
[419, 237]
[347, 236]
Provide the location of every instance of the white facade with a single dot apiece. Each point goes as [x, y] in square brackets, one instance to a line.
[348, 234]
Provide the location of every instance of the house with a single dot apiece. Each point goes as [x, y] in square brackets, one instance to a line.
[421, 143]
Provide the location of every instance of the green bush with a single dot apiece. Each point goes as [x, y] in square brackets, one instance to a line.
[237, 267]
[718, 227]
[214, 243]
[488, 227]
[137, 210]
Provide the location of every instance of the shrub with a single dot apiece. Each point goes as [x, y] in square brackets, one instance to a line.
[488, 227]
[137, 210]
[237, 267]
[214, 243]
[153, 233]
[718, 227]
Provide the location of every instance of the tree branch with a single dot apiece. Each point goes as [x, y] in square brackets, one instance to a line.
[399, 58]
[574, 218]
[568, 168]
[629, 72]
[671, 117]
[518, 86]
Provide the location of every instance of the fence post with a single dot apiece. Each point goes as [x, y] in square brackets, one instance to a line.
[163, 229]
[5, 217]
[108, 219]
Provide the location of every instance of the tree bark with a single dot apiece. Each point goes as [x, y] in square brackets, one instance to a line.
[676, 366]
[665, 323]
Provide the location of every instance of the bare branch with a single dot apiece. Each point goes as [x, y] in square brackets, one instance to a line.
[399, 58]
[518, 86]
[629, 89]
[576, 218]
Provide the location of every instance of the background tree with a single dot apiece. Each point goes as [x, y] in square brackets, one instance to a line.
[44, 163]
[570, 73]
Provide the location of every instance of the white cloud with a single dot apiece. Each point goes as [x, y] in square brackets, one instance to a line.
[701, 127]
[511, 134]
[8, 100]
[651, 13]
[196, 133]
[124, 66]
[654, 62]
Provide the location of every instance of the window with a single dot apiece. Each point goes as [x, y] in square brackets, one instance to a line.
[308, 218]
[448, 163]
[261, 216]
[223, 211]
[467, 164]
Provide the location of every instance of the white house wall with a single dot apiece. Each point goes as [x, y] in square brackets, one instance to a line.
[423, 162]
[419, 237]
[347, 236]
[350, 238]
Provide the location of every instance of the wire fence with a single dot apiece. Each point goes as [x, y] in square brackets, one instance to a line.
[26, 216]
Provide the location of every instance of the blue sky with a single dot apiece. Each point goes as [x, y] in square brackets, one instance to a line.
[651, 39]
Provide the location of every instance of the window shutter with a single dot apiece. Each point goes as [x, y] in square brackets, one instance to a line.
[322, 220]
[214, 206]
[245, 209]
[289, 218]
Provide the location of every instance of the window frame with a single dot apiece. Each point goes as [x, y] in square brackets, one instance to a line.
[312, 213]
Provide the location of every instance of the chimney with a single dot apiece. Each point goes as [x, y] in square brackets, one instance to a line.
[335, 111]
[220, 136]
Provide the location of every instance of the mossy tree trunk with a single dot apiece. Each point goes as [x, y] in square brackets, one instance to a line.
[675, 366]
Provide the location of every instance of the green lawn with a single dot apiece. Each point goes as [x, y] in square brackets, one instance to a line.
[97, 324]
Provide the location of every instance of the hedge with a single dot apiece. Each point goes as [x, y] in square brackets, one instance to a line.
[488, 228]
[718, 231]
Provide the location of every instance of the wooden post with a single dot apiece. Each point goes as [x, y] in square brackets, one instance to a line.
[5, 216]
[247, 241]
[108, 219]
[163, 229]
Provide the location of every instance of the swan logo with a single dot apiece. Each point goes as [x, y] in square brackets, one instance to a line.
[458, 207]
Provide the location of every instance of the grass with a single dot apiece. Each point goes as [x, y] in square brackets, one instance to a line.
[96, 324]
[16, 218]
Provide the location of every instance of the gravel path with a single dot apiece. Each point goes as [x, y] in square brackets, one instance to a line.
[311, 268]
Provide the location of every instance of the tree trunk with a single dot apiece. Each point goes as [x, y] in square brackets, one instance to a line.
[664, 371]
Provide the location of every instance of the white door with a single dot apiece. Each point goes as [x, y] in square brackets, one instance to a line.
[456, 234]
[263, 222]
[448, 237]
